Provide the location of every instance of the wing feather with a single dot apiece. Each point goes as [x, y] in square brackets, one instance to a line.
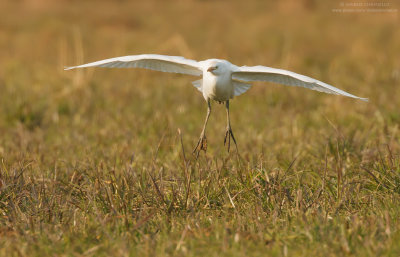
[198, 84]
[240, 87]
[263, 73]
[164, 63]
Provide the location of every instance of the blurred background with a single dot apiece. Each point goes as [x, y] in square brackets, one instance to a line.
[82, 151]
[346, 44]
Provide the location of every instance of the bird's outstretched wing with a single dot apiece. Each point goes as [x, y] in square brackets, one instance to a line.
[165, 63]
[262, 73]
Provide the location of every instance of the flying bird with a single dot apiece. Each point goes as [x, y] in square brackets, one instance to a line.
[220, 81]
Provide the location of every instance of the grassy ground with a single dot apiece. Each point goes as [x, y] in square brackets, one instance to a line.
[92, 163]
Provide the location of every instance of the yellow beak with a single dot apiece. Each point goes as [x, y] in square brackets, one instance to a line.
[211, 69]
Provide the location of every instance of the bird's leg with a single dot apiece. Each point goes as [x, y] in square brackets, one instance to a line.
[229, 132]
[202, 143]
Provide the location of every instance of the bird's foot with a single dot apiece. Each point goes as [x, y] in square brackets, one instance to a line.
[201, 145]
[228, 135]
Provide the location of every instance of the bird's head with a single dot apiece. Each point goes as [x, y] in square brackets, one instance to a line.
[212, 68]
[216, 68]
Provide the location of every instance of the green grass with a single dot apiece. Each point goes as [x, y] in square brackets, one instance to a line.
[92, 163]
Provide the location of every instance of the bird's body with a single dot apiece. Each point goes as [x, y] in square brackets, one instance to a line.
[217, 87]
[221, 80]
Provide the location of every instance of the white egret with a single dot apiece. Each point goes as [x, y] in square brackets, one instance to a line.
[221, 80]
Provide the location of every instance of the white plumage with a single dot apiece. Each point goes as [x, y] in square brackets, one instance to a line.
[228, 75]
[221, 80]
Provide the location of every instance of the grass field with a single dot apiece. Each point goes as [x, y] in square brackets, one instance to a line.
[92, 163]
